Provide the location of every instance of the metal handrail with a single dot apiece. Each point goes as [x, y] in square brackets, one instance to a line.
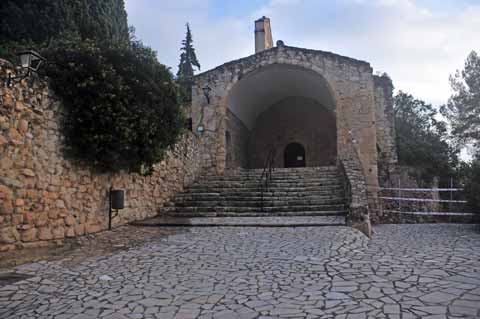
[267, 174]
[347, 187]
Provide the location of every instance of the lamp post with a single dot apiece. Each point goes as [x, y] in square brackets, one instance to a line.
[30, 62]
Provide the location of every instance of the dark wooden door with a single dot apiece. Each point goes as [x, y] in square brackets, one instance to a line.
[294, 155]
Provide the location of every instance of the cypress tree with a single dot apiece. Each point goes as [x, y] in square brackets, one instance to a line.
[188, 61]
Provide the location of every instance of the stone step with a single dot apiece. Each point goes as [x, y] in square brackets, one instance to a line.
[221, 201]
[225, 188]
[255, 214]
[240, 209]
[274, 177]
[245, 204]
[274, 174]
[302, 192]
[246, 199]
[258, 193]
[270, 184]
[287, 171]
[245, 221]
[255, 196]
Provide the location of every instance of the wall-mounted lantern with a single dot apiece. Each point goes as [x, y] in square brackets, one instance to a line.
[206, 92]
[200, 128]
[117, 202]
[30, 62]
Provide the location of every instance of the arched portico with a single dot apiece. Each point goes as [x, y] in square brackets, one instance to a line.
[242, 93]
[275, 105]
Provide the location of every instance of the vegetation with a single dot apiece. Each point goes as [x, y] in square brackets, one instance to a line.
[188, 62]
[463, 111]
[423, 140]
[40, 21]
[463, 107]
[470, 174]
[121, 109]
[120, 104]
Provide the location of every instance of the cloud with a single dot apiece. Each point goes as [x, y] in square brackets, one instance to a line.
[418, 42]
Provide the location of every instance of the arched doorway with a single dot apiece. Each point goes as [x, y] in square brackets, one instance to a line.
[294, 155]
[280, 103]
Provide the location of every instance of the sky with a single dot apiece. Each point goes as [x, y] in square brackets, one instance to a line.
[419, 43]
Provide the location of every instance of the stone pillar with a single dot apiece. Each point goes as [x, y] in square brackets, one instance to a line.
[263, 34]
[385, 125]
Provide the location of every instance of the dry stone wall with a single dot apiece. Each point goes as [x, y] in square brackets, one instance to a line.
[45, 198]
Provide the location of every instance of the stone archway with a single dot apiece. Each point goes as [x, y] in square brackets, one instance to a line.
[238, 92]
[276, 105]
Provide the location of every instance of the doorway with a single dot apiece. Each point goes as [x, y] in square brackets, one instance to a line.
[294, 155]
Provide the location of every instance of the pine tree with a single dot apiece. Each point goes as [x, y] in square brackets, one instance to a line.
[463, 107]
[188, 60]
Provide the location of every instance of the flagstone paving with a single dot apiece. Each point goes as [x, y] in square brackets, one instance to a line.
[406, 271]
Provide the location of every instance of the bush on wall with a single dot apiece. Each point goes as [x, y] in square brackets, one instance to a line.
[121, 110]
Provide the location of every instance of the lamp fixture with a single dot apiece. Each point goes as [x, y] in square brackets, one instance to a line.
[30, 62]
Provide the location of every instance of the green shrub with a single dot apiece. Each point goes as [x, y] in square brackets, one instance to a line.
[472, 185]
[121, 110]
[36, 23]
[40, 21]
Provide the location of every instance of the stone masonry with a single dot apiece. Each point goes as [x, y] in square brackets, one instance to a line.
[350, 83]
[385, 124]
[45, 198]
[294, 119]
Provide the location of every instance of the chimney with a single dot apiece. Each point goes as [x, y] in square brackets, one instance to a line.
[263, 34]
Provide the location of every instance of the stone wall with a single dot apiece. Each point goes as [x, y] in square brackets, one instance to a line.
[44, 198]
[360, 206]
[385, 124]
[295, 120]
[349, 81]
[236, 141]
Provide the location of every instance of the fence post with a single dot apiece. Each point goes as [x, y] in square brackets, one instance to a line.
[399, 196]
[451, 195]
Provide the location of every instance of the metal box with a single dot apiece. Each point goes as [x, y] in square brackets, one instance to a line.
[117, 198]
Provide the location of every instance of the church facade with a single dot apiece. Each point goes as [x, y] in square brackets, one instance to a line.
[314, 108]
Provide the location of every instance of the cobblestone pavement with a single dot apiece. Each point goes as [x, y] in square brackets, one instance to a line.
[406, 271]
[75, 250]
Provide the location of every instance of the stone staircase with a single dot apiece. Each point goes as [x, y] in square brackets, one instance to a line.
[317, 193]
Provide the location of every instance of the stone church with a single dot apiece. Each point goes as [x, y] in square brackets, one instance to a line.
[299, 133]
[314, 108]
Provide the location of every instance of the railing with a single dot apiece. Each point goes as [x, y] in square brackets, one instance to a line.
[347, 187]
[410, 195]
[266, 176]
